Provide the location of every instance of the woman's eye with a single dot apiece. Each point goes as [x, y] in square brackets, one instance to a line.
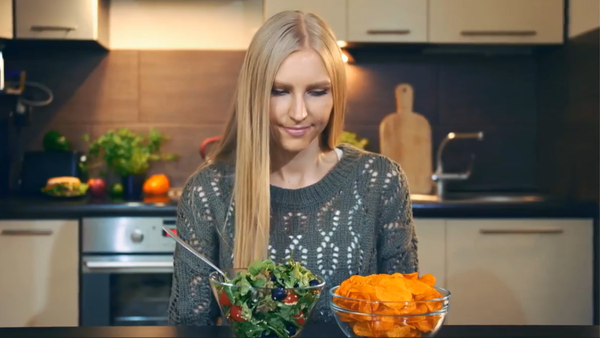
[277, 92]
[318, 92]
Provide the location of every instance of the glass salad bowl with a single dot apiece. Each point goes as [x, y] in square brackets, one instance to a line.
[267, 302]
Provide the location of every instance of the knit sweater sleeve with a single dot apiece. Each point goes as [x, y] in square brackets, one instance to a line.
[191, 301]
[397, 239]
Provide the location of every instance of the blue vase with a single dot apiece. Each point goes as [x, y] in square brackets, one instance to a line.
[132, 186]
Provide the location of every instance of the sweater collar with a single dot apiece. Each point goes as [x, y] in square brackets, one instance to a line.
[343, 173]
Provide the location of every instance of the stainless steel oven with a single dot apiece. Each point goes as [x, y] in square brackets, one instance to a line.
[126, 271]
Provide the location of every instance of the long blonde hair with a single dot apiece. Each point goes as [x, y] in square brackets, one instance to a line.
[246, 138]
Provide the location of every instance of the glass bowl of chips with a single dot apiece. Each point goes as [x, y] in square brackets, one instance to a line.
[396, 305]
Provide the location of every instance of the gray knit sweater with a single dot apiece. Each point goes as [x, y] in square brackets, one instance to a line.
[356, 220]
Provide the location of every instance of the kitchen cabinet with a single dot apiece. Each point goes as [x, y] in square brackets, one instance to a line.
[520, 22]
[62, 20]
[387, 21]
[431, 234]
[6, 19]
[39, 273]
[496, 21]
[583, 17]
[334, 12]
[520, 272]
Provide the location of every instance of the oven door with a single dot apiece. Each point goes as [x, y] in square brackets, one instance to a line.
[126, 290]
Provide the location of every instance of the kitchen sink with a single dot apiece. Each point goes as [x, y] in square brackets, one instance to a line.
[478, 198]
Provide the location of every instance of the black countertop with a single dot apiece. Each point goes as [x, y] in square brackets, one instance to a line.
[21, 207]
[46, 207]
[310, 331]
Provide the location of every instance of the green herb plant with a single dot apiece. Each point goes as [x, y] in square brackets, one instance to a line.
[353, 139]
[55, 141]
[128, 153]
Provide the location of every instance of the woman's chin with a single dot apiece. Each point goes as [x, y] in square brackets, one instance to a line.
[293, 146]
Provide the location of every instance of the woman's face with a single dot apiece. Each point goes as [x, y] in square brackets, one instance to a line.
[301, 101]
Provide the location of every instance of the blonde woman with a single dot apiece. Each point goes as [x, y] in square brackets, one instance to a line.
[278, 184]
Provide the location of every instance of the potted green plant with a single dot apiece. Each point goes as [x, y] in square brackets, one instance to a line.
[129, 155]
[353, 139]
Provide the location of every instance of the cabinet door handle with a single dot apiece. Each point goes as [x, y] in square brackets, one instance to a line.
[498, 33]
[38, 28]
[26, 232]
[519, 231]
[388, 31]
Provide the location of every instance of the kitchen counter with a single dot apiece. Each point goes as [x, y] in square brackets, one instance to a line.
[462, 206]
[310, 331]
[21, 207]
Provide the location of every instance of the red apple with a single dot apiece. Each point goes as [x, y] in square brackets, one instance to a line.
[97, 186]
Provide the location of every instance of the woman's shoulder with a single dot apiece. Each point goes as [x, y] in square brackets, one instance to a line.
[372, 162]
[210, 179]
[376, 172]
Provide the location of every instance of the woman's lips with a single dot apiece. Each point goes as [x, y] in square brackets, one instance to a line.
[297, 131]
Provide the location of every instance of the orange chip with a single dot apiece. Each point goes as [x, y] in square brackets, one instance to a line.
[431, 294]
[362, 329]
[427, 323]
[403, 331]
[382, 323]
[390, 294]
[345, 317]
[428, 279]
[417, 287]
[414, 275]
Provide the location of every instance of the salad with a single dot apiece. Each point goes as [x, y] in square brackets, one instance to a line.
[268, 299]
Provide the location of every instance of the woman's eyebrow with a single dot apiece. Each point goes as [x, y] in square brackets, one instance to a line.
[283, 85]
[320, 84]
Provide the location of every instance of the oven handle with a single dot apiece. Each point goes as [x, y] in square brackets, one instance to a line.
[128, 265]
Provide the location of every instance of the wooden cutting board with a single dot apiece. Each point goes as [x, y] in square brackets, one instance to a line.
[405, 137]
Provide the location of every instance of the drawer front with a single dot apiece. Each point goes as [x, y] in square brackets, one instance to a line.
[56, 19]
[387, 21]
[496, 21]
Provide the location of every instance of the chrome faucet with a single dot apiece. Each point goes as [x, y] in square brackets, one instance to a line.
[440, 177]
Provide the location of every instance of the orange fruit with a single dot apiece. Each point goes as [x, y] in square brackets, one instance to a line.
[156, 185]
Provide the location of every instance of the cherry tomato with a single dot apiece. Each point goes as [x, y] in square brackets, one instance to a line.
[223, 299]
[299, 318]
[290, 299]
[236, 314]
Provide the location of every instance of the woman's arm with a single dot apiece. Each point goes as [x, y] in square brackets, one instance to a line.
[397, 239]
[192, 302]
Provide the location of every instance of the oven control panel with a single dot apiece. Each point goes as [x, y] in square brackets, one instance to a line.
[114, 235]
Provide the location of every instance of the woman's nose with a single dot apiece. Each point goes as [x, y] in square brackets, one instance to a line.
[298, 110]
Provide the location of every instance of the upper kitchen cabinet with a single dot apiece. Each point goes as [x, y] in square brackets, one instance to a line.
[6, 19]
[334, 12]
[583, 17]
[387, 21]
[62, 20]
[496, 21]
